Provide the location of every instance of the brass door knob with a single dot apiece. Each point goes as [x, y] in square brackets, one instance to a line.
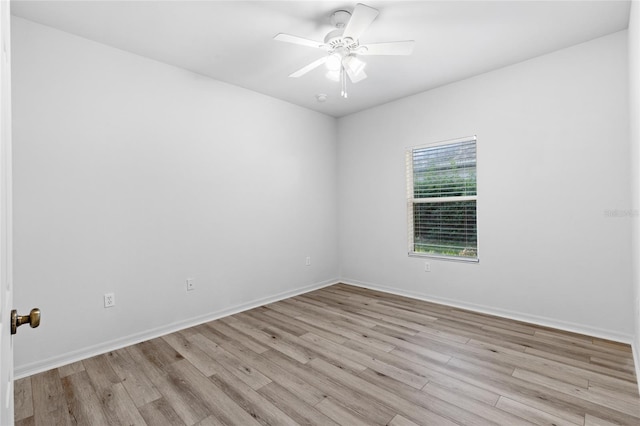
[33, 319]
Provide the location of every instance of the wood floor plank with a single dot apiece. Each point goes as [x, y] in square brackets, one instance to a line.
[23, 398]
[362, 358]
[463, 388]
[531, 414]
[622, 347]
[49, 400]
[201, 359]
[386, 320]
[345, 355]
[58, 417]
[325, 349]
[554, 396]
[84, 404]
[294, 407]
[592, 372]
[570, 356]
[116, 402]
[622, 388]
[521, 391]
[417, 317]
[596, 421]
[365, 407]
[444, 408]
[222, 328]
[259, 407]
[575, 346]
[189, 407]
[218, 402]
[124, 410]
[159, 412]
[418, 375]
[398, 420]
[29, 421]
[345, 330]
[445, 402]
[515, 358]
[134, 380]
[406, 408]
[269, 340]
[225, 360]
[72, 368]
[354, 311]
[149, 369]
[269, 317]
[609, 401]
[489, 364]
[287, 316]
[404, 342]
[274, 372]
[159, 352]
[340, 415]
[486, 411]
[335, 314]
[625, 366]
[210, 421]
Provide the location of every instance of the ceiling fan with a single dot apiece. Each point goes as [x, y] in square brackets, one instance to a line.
[343, 46]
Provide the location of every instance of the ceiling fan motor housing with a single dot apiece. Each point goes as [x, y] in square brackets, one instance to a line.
[335, 40]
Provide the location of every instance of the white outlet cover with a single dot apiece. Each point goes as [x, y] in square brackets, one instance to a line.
[109, 300]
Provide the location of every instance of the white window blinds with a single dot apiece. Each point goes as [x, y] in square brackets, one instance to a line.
[442, 195]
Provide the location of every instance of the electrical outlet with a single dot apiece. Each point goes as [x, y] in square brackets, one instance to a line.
[109, 300]
[307, 261]
[427, 267]
[190, 285]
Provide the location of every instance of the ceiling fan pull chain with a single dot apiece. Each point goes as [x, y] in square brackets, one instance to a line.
[343, 79]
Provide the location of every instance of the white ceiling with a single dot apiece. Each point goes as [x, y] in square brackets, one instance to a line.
[232, 41]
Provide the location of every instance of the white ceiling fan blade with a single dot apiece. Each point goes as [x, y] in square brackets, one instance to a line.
[288, 38]
[315, 64]
[390, 48]
[356, 77]
[361, 18]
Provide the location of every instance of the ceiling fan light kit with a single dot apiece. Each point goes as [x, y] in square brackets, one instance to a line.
[333, 75]
[343, 46]
[334, 61]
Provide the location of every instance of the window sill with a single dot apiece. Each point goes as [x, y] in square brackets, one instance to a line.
[448, 258]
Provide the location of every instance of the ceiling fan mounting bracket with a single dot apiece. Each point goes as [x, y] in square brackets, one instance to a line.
[340, 18]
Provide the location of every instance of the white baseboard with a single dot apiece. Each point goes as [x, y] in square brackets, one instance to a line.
[503, 313]
[84, 353]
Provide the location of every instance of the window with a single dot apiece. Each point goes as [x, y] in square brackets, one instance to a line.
[441, 193]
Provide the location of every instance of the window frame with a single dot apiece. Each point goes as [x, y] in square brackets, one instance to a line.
[411, 201]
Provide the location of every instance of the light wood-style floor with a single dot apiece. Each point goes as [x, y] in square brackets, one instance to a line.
[350, 356]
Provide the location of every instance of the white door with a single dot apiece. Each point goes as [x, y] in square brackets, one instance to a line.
[6, 300]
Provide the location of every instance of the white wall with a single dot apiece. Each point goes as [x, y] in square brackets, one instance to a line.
[552, 158]
[131, 176]
[634, 116]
